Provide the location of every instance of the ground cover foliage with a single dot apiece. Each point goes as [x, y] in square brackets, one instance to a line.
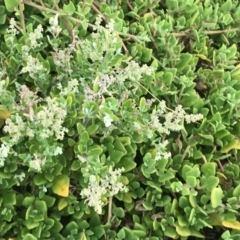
[119, 119]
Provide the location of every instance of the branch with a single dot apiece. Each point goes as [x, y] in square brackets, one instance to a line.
[21, 15]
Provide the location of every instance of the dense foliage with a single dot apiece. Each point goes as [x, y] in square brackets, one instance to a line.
[119, 119]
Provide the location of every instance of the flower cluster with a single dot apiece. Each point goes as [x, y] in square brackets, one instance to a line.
[173, 119]
[72, 87]
[106, 186]
[34, 120]
[36, 35]
[161, 150]
[37, 162]
[54, 28]
[12, 30]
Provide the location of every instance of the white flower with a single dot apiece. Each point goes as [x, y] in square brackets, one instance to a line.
[57, 151]
[4, 151]
[108, 185]
[37, 163]
[33, 66]
[107, 120]
[193, 118]
[20, 177]
[34, 36]
[55, 29]
[72, 87]
[12, 30]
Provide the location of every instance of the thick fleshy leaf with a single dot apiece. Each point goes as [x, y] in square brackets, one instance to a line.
[61, 185]
[62, 203]
[4, 113]
[216, 197]
[231, 224]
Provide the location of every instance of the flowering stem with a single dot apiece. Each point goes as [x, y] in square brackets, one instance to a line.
[109, 210]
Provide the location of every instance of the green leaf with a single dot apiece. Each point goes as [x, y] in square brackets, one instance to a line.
[216, 197]
[116, 155]
[146, 54]
[29, 236]
[172, 4]
[41, 206]
[84, 137]
[166, 176]
[49, 200]
[76, 164]
[209, 169]
[69, 8]
[236, 191]
[127, 163]
[80, 128]
[28, 201]
[3, 18]
[39, 179]
[118, 211]
[168, 78]
[184, 61]
[121, 234]
[192, 181]
[189, 99]
[116, 60]
[11, 5]
[92, 129]
[226, 6]
[210, 183]
[170, 232]
[95, 151]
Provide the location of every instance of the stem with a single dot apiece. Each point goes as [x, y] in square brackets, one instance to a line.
[42, 8]
[134, 37]
[21, 15]
[109, 210]
[130, 6]
[186, 151]
[64, 21]
[98, 12]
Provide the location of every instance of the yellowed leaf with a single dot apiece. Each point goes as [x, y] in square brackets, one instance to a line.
[215, 219]
[61, 185]
[222, 177]
[183, 231]
[127, 197]
[62, 203]
[231, 224]
[83, 237]
[4, 113]
[235, 144]
[203, 57]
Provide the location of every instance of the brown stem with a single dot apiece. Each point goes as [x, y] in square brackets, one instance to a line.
[98, 12]
[147, 7]
[109, 210]
[42, 8]
[21, 15]
[186, 151]
[64, 21]
[42, 3]
[130, 6]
